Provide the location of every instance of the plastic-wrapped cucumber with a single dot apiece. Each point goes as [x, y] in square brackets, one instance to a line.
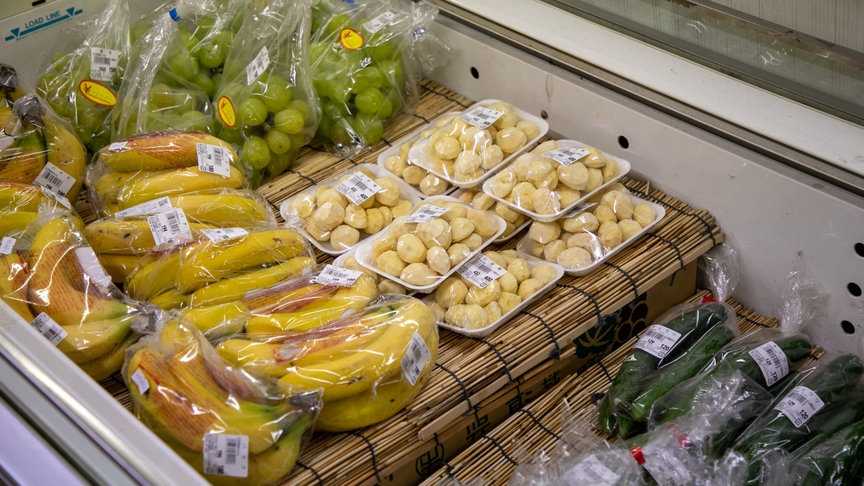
[839, 460]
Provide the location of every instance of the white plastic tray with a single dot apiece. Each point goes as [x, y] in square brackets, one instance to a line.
[418, 154]
[394, 150]
[623, 169]
[405, 192]
[485, 331]
[363, 252]
[523, 247]
[502, 239]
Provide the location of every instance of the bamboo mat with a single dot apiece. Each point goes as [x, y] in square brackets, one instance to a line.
[537, 426]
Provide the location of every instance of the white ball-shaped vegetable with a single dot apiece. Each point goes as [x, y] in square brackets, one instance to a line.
[574, 258]
[390, 263]
[411, 249]
[544, 232]
[451, 292]
[328, 216]
[419, 274]
[303, 205]
[610, 235]
[438, 259]
[544, 273]
[395, 164]
[644, 214]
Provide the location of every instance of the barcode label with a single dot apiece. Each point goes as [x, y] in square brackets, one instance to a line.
[658, 341]
[91, 266]
[379, 22]
[222, 234]
[48, 328]
[358, 188]
[772, 361]
[150, 207]
[117, 146]
[103, 63]
[415, 358]
[60, 199]
[170, 228]
[591, 471]
[481, 117]
[213, 159]
[55, 180]
[426, 213]
[342, 277]
[800, 405]
[567, 155]
[7, 245]
[140, 381]
[668, 470]
[257, 66]
[481, 271]
[226, 455]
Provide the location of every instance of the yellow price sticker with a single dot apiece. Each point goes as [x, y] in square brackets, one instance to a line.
[97, 93]
[350, 39]
[225, 109]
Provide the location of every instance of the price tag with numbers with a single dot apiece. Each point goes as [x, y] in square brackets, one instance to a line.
[566, 155]
[150, 207]
[379, 22]
[170, 228]
[772, 361]
[415, 358]
[591, 471]
[103, 63]
[55, 180]
[426, 213]
[481, 117]
[332, 275]
[213, 159]
[658, 341]
[7, 245]
[48, 328]
[481, 271]
[800, 405]
[222, 234]
[258, 65]
[358, 188]
[226, 455]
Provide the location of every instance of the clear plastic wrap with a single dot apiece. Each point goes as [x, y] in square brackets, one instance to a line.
[385, 285]
[370, 364]
[83, 76]
[265, 100]
[12, 87]
[155, 165]
[43, 151]
[421, 249]
[364, 69]
[839, 460]
[516, 221]
[329, 215]
[230, 426]
[53, 280]
[395, 159]
[674, 348]
[19, 206]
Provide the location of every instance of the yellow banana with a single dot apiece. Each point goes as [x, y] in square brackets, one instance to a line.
[90, 340]
[17, 196]
[161, 150]
[127, 236]
[109, 363]
[227, 318]
[171, 299]
[13, 284]
[66, 152]
[5, 112]
[173, 183]
[15, 222]
[154, 277]
[235, 288]
[223, 210]
[108, 186]
[119, 267]
[24, 161]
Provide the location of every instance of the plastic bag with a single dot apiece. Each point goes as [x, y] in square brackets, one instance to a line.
[362, 67]
[370, 364]
[231, 427]
[837, 461]
[422, 248]
[155, 165]
[385, 285]
[12, 87]
[83, 76]
[674, 348]
[421, 179]
[265, 100]
[19, 206]
[54, 281]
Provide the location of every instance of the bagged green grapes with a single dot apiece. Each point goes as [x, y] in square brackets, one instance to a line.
[368, 58]
[81, 79]
[265, 101]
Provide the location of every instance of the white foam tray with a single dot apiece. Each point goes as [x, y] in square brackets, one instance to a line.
[363, 252]
[485, 331]
[623, 169]
[418, 154]
[405, 192]
[524, 245]
[502, 239]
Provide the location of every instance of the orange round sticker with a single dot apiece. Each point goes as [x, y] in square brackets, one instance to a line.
[97, 93]
[226, 112]
[350, 39]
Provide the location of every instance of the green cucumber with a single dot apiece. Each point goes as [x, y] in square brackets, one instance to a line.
[838, 460]
[840, 415]
[628, 428]
[606, 417]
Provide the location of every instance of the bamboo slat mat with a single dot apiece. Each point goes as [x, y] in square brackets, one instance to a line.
[537, 426]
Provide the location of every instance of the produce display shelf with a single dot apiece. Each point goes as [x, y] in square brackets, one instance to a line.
[537, 426]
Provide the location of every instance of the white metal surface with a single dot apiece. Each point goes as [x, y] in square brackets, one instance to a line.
[773, 211]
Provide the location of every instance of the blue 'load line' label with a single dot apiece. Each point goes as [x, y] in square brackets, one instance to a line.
[46, 20]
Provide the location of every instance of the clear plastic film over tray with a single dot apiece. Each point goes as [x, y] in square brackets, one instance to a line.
[421, 249]
[554, 178]
[514, 220]
[343, 211]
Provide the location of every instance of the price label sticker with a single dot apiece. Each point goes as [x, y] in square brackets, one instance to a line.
[91, 266]
[591, 471]
[117, 146]
[342, 277]
[481, 117]
[222, 234]
[55, 180]
[103, 63]
[426, 213]
[150, 207]
[226, 455]
[658, 341]
[481, 271]
[772, 361]
[668, 470]
[48, 328]
[7, 245]
[566, 155]
[170, 228]
[140, 381]
[415, 358]
[258, 65]
[60, 199]
[358, 188]
[213, 159]
[800, 405]
[379, 22]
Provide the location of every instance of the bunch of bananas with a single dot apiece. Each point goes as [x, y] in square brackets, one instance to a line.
[59, 277]
[186, 394]
[45, 151]
[19, 206]
[369, 364]
[160, 164]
